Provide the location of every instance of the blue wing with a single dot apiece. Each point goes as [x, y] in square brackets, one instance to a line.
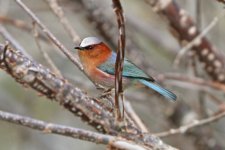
[130, 70]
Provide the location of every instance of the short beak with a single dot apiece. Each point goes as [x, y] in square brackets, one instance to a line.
[79, 48]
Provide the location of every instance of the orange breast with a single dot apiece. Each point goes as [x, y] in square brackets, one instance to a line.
[93, 58]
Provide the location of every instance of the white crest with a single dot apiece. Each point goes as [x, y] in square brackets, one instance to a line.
[90, 41]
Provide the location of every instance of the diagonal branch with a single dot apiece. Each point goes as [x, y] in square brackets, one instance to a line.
[50, 35]
[194, 124]
[65, 22]
[191, 44]
[21, 25]
[12, 41]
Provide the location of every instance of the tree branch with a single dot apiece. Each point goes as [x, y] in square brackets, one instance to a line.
[75, 133]
[65, 22]
[119, 58]
[195, 123]
[50, 35]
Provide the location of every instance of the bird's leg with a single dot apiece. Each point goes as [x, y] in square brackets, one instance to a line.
[100, 87]
[106, 93]
[106, 99]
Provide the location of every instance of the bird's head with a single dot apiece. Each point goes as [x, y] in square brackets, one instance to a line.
[93, 49]
[89, 44]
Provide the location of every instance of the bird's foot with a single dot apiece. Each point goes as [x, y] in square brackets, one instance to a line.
[106, 93]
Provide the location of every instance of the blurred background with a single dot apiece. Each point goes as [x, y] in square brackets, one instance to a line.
[150, 45]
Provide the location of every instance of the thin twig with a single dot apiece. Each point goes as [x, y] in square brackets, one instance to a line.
[65, 22]
[195, 123]
[193, 80]
[132, 114]
[51, 128]
[50, 35]
[185, 49]
[12, 41]
[215, 99]
[21, 25]
[120, 58]
[45, 54]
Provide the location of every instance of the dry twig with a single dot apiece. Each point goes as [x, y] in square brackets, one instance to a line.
[75, 133]
[192, 43]
[21, 25]
[120, 58]
[133, 115]
[50, 35]
[45, 54]
[12, 41]
[192, 80]
[60, 14]
[196, 123]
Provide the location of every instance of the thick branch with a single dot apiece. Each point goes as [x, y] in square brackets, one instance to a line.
[69, 131]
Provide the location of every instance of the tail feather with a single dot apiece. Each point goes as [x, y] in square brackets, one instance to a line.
[164, 92]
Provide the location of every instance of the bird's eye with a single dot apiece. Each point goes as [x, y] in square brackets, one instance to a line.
[89, 47]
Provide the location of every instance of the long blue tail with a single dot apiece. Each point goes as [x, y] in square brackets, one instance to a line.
[164, 92]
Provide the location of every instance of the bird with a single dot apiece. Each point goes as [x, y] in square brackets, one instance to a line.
[98, 61]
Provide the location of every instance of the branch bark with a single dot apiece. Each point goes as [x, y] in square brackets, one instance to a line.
[51, 128]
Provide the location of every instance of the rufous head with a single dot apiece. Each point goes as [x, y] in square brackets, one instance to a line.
[94, 50]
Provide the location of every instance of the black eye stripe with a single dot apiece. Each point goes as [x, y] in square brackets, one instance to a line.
[88, 47]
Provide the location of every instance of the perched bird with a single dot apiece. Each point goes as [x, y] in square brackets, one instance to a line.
[99, 64]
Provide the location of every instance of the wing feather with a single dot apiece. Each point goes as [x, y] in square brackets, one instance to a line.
[130, 70]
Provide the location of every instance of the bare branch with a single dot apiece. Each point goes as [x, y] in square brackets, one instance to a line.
[45, 54]
[193, 80]
[21, 25]
[133, 115]
[12, 41]
[187, 47]
[75, 133]
[68, 27]
[50, 35]
[120, 57]
[196, 123]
